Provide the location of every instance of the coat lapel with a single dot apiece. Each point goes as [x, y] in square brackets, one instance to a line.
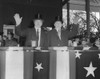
[33, 34]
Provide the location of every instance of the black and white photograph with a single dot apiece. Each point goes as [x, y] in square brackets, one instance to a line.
[49, 39]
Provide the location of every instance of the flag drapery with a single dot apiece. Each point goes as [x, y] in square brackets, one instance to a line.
[41, 65]
[2, 64]
[27, 63]
[88, 64]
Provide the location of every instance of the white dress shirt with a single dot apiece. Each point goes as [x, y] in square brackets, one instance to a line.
[59, 33]
[39, 38]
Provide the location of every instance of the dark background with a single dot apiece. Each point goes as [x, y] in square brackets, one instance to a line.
[27, 9]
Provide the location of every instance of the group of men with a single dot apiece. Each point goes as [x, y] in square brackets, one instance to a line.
[37, 37]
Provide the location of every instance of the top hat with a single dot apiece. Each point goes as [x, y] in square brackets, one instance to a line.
[38, 16]
[58, 18]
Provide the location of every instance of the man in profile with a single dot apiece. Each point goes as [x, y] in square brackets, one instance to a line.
[36, 36]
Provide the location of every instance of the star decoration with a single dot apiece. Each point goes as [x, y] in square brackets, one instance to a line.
[99, 56]
[90, 70]
[38, 67]
[78, 54]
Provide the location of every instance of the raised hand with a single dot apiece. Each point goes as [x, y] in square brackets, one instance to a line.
[18, 19]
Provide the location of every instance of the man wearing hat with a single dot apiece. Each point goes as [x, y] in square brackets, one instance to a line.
[36, 36]
[56, 37]
[59, 36]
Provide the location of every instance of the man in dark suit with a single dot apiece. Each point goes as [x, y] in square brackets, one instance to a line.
[35, 37]
[59, 36]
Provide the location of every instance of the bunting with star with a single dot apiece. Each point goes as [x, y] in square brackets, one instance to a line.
[27, 63]
[88, 64]
[41, 65]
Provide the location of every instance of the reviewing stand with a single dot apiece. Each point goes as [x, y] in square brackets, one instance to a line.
[19, 63]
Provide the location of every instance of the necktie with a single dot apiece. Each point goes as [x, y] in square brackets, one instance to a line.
[59, 34]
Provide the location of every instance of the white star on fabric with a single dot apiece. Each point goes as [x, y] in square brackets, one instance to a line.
[99, 56]
[38, 67]
[90, 70]
[78, 54]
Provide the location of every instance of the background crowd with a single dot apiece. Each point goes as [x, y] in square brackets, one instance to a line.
[8, 40]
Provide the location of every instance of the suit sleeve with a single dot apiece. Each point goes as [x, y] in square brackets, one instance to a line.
[48, 39]
[20, 32]
[74, 31]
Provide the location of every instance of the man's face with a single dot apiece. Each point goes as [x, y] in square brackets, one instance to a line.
[38, 23]
[77, 39]
[58, 24]
[97, 42]
[84, 42]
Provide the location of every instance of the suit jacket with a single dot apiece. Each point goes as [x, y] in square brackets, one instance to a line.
[30, 35]
[73, 32]
[53, 39]
[94, 47]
